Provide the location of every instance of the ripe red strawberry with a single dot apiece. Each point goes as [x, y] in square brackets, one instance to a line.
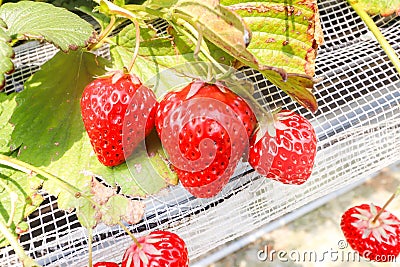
[379, 241]
[289, 157]
[105, 264]
[105, 104]
[159, 248]
[205, 130]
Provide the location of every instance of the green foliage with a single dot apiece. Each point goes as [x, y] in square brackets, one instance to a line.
[49, 134]
[42, 125]
[6, 53]
[18, 196]
[18, 199]
[30, 20]
[48, 131]
[7, 106]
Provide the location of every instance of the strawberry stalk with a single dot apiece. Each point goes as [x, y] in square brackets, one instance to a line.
[130, 234]
[194, 36]
[104, 34]
[18, 249]
[393, 196]
[90, 247]
[137, 45]
[13, 201]
[390, 52]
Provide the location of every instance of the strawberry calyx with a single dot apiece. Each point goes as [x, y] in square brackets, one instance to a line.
[379, 228]
[196, 85]
[282, 115]
[116, 75]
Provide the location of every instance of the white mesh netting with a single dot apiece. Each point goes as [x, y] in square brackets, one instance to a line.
[358, 129]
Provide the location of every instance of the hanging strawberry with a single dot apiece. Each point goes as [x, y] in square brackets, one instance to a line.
[289, 156]
[205, 130]
[109, 102]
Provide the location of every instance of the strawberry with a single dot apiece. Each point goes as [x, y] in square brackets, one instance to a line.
[159, 248]
[205, 130]
[112, 105]
[377, 241]
[105, 264]
[289, 157]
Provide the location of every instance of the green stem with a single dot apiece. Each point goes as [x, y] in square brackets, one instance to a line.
[104, 34]
[19, 250]
[137, 45]
[377, 33]
[130, 234]
[32, 170]
[147, 10]
[192, 36]
[13, 201]
[128, 11]
[90, 248]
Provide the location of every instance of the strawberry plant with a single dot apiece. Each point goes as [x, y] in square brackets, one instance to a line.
[65, 132]
[69, 133]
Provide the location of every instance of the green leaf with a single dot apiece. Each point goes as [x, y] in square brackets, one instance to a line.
[7, 106]
[154, 54]
[6, 53]
[48, 126]
[284, 36]
[121, 208]
[382, 7]
[149, 160]
[18, 198]
[32, 20]
[87, 214]
[102, 19]
[217, 24]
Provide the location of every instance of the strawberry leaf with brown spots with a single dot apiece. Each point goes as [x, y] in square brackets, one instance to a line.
[285, 35]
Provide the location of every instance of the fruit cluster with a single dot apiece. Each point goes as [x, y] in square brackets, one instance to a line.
[205, 129]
